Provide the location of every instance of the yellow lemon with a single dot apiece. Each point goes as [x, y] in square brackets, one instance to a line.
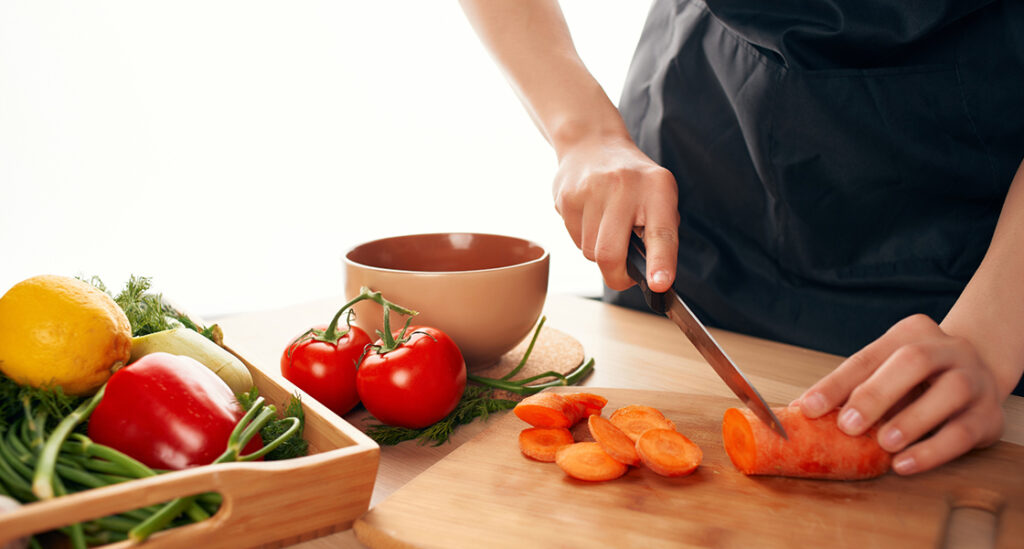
[56, 330]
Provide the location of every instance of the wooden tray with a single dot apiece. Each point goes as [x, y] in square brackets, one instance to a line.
[266, 504]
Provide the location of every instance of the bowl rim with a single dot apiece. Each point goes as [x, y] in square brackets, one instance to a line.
[544, 256]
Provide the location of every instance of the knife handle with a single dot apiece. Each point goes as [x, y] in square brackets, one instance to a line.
[636, 266]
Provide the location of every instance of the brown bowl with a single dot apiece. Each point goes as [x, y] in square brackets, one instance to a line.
[485, 291]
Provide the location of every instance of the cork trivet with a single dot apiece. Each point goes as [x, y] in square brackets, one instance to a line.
[554, 351]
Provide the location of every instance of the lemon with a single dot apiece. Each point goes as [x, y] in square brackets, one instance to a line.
[59, 331]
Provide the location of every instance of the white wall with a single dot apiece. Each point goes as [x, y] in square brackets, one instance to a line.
[233, 150]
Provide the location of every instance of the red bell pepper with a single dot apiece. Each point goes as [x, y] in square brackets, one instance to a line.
[169, 412]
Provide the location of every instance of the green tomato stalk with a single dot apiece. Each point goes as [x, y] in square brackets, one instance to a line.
[333, 334]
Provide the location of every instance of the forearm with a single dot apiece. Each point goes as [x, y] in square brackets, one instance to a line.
[990, 311]
[530, 41]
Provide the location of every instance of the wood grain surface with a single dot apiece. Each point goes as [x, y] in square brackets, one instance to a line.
[632, 349]
[486, 493]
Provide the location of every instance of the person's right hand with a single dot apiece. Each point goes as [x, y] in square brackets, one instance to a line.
[606, 187]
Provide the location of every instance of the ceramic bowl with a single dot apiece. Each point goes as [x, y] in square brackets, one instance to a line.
[485, 291]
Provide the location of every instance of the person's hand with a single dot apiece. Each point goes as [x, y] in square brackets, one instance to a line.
[914, 380]
[604, 188]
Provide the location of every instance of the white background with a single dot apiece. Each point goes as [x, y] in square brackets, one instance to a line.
[234, 150]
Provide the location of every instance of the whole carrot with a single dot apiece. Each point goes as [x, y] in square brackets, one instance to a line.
[816, 447]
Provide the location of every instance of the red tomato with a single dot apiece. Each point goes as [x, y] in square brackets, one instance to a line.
[169, 412]
[324, 370]
[415, 385]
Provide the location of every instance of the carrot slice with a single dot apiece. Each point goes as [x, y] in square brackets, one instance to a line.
[592, 404]
[668, 452]
[816, 447]
[558, 409]
[587, 461]
[545, 410]
[635, 419]
[613, 440]
[542, 444]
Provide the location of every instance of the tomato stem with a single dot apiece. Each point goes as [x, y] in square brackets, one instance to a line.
[332, 334]
[390, 342]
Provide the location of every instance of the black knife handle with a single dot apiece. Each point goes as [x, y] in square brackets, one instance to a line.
[636, 266]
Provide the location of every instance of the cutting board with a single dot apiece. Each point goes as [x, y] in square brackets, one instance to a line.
[487, 494]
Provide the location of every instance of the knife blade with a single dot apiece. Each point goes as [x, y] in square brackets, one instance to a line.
[671, 305]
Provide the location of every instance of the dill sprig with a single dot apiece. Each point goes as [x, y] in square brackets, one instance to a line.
[476, 402]
[149, 312]
[13, 398]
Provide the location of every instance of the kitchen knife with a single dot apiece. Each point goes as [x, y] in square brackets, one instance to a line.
[672, 306]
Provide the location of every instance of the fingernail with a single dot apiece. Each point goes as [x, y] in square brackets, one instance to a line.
[850, 421]
[904, 465]
[660, 278]
[813, 404]
[892, 439]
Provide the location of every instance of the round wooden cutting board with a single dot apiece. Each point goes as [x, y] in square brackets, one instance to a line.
[554, 351]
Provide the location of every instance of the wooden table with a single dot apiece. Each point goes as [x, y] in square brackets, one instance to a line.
[632, 349]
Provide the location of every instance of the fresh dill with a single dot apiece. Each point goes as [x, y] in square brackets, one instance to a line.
[476, 402]
[149, 312]
[14, 398]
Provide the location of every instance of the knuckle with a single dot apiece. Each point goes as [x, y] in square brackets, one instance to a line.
[662, 175]
[915, 324]
[606, 257]
[962, 436]
[913, 355]
[568, 203]
[614, 178]
[960, 386]
[862, 362]
[662, 234]
[867, 395]
[560, 205]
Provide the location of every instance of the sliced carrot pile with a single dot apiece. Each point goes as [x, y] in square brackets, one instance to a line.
[541, 443]
[634, 420]
[546, 410]
[613, 440]
[816, 447]
[668, 453]
[632, 436]
[588, 461]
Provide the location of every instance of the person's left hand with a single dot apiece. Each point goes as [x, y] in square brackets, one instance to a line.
[914, 380]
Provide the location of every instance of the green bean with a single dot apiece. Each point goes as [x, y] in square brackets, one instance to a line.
[75, 531]
[16, 484]
[43, 480]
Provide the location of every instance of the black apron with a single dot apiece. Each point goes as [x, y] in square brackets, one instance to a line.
[841, 163]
